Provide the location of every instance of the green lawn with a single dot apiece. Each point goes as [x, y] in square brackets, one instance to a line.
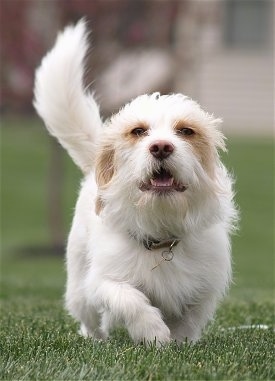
[39, 341]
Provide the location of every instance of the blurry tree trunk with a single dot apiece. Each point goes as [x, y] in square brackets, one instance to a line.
[55, 193]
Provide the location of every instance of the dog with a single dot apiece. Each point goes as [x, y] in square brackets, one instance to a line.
[149, 247]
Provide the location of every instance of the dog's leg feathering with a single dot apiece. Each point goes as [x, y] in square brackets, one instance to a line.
[71, 115]
[128, 305]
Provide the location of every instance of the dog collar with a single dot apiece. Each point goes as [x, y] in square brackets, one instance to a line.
[162, 244]
[153, 244]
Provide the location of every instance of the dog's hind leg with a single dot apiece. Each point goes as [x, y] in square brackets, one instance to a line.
[107, 323]
[85, 314]
[194, 319]
[77, 265]
[90, 325]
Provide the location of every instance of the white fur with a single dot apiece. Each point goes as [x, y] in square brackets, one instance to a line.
[61, 101]
[110, 277]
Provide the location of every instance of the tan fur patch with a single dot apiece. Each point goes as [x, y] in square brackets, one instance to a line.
[98, 205]
[104, 172]
[200, 142]
[130, 136]
[105, 166]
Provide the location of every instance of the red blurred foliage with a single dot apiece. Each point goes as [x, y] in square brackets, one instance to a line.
[19, 52]
[128, 23]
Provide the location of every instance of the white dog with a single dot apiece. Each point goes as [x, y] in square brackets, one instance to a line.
[149, 247]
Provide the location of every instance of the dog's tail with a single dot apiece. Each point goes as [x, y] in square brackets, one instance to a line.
[71, 115]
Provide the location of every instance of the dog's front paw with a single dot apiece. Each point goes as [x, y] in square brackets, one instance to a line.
[150, 328]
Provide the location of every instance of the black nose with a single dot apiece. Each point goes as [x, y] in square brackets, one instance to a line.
[161, 149]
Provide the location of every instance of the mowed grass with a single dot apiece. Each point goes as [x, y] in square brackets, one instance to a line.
[39, 341]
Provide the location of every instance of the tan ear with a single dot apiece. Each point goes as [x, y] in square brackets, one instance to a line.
[98, 205]
[104, 171]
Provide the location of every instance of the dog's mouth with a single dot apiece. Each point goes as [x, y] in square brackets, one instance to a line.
[162, 181]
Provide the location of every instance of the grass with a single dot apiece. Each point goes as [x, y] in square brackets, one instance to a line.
[39, 341]
[25, 160]
[47, 347]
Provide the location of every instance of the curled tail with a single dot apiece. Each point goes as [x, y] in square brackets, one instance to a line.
[71, 115]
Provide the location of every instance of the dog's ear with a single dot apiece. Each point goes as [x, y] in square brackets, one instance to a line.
[104, 168]
[98, 205]
[104, 171]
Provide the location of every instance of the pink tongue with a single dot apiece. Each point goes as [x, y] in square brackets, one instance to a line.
[163, 181]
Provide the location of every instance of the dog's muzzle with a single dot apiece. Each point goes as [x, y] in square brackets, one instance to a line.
[162, 181]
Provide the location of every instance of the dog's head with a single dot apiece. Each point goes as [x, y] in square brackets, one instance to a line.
[158, 151]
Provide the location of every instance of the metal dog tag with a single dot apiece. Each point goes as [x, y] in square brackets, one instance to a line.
[167, 255]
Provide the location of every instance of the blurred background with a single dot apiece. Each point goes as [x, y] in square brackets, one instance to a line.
[219, 52]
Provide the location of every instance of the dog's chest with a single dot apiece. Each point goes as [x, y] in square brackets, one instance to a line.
[170, 285]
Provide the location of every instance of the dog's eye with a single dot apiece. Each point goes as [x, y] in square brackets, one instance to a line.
[186, 131]
[138, 131]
